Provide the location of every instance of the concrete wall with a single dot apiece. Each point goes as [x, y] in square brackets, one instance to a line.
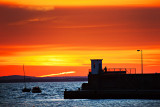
[124, 81]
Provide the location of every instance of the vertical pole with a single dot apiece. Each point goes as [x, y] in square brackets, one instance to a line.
[24, 77]
[141, 62]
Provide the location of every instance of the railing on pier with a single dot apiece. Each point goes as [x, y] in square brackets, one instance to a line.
[127, 70]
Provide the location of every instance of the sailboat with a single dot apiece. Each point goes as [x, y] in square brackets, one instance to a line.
[25, 89]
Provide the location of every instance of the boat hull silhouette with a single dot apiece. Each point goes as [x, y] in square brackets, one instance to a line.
[26, 90]
[36, 90]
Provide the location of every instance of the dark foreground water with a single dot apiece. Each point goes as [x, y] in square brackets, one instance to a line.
[11, 95]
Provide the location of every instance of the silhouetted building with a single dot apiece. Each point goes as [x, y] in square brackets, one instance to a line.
[117, 83]
[118, 78]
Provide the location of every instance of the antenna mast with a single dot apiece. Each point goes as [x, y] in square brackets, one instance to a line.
[24, 77]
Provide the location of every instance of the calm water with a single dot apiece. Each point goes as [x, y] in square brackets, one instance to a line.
[52, 95]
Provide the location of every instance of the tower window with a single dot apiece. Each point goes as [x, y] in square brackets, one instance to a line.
[94, 65]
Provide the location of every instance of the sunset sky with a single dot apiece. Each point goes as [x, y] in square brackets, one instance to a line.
[59, 37]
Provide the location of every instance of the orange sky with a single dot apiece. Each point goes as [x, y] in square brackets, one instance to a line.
[83, 2]
[59, 37]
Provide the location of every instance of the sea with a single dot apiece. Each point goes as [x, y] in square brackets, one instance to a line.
[52, 95]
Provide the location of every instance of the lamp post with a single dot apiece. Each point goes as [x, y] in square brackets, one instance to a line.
[141, 61]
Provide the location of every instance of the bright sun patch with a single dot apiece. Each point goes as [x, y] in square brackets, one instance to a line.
[62, 73]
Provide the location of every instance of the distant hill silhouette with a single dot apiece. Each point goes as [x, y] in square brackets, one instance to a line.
[18, 78]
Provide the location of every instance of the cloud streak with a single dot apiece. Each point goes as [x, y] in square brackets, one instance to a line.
[14, 4]
[62, 73]
[33, 20]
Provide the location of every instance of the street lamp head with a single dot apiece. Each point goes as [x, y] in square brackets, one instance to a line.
[138, 50]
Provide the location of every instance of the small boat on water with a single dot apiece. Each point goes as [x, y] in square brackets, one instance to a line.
[25, 89]
[36, 90]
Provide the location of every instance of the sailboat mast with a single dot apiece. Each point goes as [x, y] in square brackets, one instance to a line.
[24, 77]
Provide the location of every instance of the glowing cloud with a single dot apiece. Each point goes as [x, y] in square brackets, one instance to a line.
[62, 73]
[82, 2]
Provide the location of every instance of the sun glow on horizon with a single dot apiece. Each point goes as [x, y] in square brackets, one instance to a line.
[76, 56]
[57, 74]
